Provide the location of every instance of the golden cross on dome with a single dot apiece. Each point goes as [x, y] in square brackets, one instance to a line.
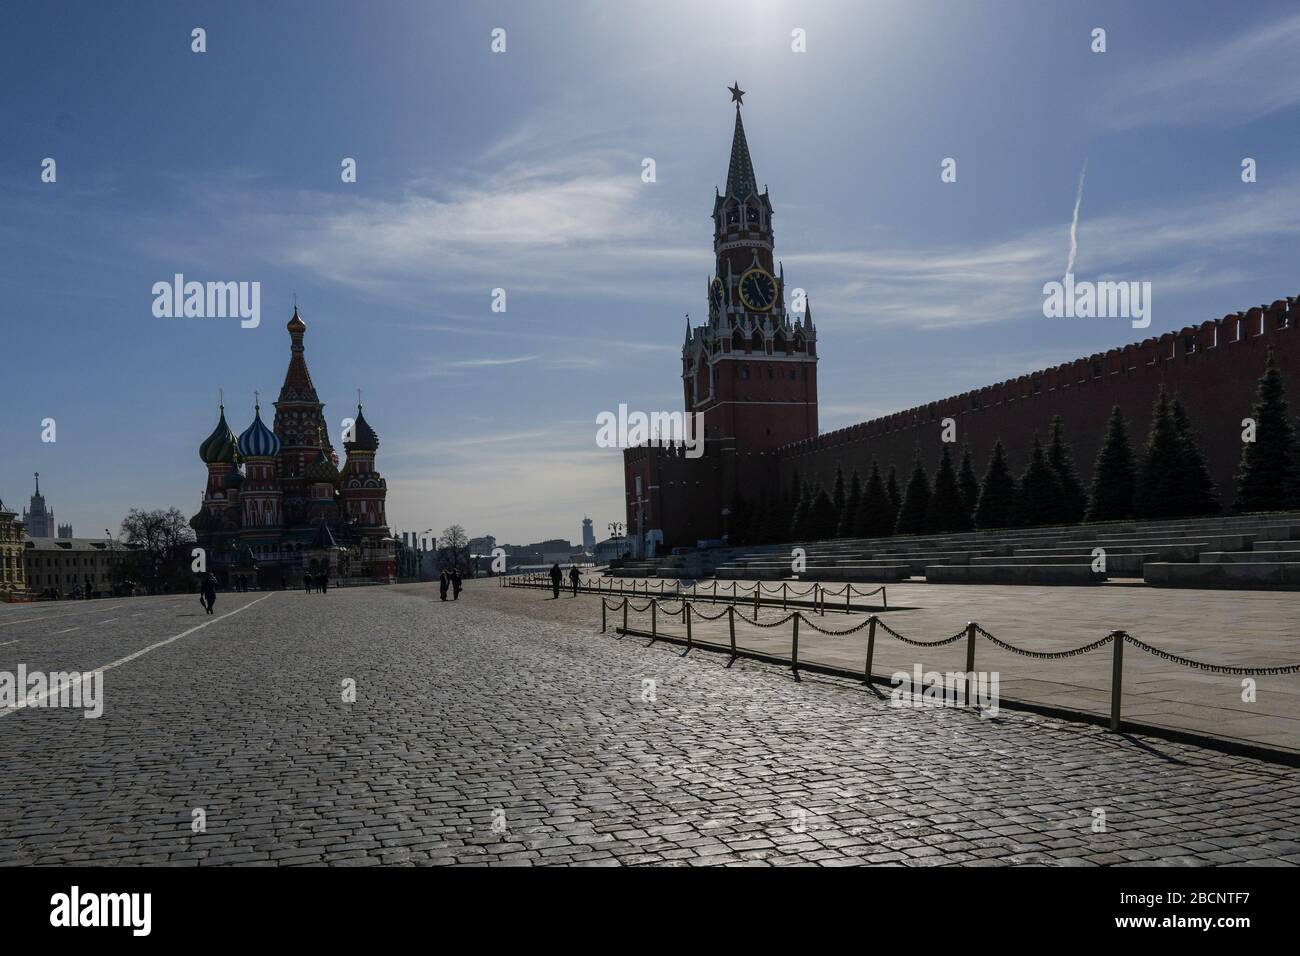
[736, 94]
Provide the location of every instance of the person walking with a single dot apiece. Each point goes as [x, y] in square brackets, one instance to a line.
[455, 584]
[556, 577]
[443, 582]
[575, 576]
[306, 583]
[209, 591]
[324, 582]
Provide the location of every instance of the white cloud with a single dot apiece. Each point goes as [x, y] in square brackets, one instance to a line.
[1239, 79]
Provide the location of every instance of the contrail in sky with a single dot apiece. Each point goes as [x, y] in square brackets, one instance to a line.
[1074, 223]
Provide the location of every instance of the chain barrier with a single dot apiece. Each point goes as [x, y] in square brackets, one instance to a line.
[1207, 667]
[852, 630]
[757, 623]
[1045, 655]
[1212, 668]
[907, 640]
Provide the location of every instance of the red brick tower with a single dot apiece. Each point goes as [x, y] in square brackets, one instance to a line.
[750, 370]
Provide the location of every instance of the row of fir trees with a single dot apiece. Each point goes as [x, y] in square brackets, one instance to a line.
[1169, 479]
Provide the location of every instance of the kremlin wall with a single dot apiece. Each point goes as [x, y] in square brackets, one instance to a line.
[1214, 367]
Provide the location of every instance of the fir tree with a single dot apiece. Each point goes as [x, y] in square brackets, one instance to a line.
[969, 485]
[1038, 495]
[758, 520]
[801, 518]
[1266, 476]
[915, 507]
[947, 511]
[1200, 497]
[895, 499]
[1158, 493]
[838, 499]
[849, 517]
[738, 523]
[1111, 495]
[876, 513]
[1073, 503]
[997, 492]
[776, 522]
[824, 517]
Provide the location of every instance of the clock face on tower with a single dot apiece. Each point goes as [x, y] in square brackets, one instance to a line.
[716, 292]
[758, 289]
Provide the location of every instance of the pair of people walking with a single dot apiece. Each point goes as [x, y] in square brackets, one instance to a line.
[451, 580]
[575, 576]
[319, 583]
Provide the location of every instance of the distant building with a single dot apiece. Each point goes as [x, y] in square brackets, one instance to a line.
[13, 570]
[63, 565]
[65, 531]
[588, 535]
[610, 548]
[482, 545]
[38, 520]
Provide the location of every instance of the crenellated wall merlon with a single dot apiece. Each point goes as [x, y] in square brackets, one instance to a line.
[1193, 342]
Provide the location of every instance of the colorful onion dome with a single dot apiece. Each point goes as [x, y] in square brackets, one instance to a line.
[219, 447]
[296, 324]
[258, 441]
[363, 436]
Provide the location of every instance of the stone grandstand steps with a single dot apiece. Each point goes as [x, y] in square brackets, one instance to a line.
[1028, 555]
[1080, 574]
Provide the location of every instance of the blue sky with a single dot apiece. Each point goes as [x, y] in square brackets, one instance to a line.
[522, 171]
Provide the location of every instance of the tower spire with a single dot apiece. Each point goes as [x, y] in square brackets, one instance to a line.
[740, 172]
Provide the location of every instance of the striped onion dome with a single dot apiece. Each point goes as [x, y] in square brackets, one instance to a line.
[219, 447]
[258, 441]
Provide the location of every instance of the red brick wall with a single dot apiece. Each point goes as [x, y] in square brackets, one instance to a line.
[1216, 380]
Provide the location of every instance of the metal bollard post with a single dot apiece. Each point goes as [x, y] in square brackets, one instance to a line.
[884, 598]
[688, 631]
[654, 620]
[871, 649]
[785, 589]
[602, 616]
[731, 626]
[970, 649]
[625, 615]
[848, 598]
[1117, 680]
[794, 647]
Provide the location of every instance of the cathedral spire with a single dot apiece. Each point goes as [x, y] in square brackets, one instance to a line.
[297, 380]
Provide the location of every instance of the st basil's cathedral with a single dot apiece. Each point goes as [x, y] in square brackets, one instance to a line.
[277, 507]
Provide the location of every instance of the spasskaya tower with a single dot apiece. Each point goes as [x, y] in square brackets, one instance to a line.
[750, 372]
[750, 369]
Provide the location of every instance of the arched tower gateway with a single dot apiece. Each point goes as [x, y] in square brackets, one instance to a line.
[749, 373]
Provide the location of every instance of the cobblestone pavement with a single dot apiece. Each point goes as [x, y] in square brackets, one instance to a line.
[503, 729]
